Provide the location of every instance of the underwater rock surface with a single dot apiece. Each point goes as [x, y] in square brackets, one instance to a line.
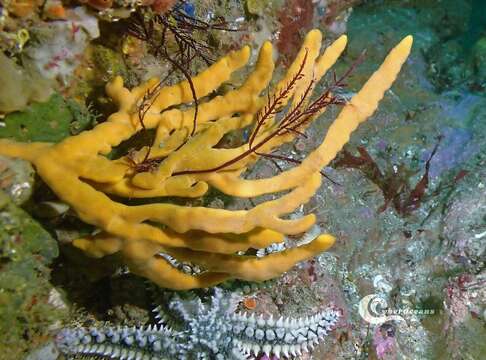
[415, 261]
[26, 251]
[416, 247]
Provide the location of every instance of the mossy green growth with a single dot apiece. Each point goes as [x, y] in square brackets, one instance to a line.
[50, 121]
[26, 249]
[262, 7]
[256, 7]
[108, 62]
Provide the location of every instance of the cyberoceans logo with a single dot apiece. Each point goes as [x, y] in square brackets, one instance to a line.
[374, 310]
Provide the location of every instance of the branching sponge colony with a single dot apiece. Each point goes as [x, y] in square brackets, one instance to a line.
[184, 161]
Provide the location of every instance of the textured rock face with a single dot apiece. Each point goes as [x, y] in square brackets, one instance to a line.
[418, 261]
[16, 179]
[26, 250]
[429, 260]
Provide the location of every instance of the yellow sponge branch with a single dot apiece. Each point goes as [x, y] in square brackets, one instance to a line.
[361, 106]
[253, 268]
[184, 161]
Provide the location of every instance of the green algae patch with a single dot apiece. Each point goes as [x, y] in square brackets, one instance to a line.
[256, 7]
[108, 62]
[50, 121]
[26, 250]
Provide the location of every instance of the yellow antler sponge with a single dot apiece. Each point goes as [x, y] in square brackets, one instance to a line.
[183, 161]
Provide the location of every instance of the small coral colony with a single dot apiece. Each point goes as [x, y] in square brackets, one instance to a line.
[154, 237]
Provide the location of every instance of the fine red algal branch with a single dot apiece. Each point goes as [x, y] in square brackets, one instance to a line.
[394, 185]
[417, 194]
[155, 30]
[275, 102]
[292, 121]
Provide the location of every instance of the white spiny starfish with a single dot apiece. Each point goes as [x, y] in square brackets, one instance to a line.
[188, 328]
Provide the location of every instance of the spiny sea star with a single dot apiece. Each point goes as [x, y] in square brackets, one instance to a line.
[190, 328]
